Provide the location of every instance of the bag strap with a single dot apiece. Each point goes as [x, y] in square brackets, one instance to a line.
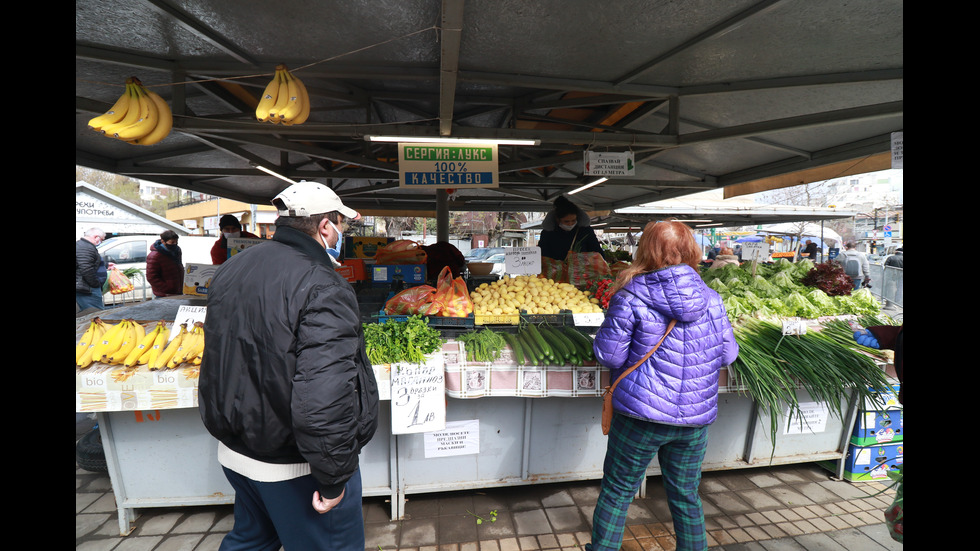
[572, 245]
[644, 358]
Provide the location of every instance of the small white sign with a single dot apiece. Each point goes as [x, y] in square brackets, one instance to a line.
[418, 396]
[458, 438]
[609, 163]
[591, 319]
[522, 260]
[810, 419]
[189, 315]
[755, 251]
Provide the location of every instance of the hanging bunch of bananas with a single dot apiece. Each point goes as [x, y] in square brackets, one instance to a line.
[140, 116]
[187, 346]
[284, 100]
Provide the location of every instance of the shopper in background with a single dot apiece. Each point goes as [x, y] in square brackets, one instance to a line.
[165, 266]
[230, 228]
[286, 386]
[724, 258]
[810, 251]
[91, 271]
[565, 229]
[856, 265]
[664, 407]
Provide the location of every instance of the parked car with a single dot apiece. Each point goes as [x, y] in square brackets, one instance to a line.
[482, 253]
[129, 251]
[499, 268]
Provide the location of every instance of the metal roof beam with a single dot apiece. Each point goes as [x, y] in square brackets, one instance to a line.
[452, 25]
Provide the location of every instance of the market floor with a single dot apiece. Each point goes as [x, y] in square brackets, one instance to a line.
[781, 508]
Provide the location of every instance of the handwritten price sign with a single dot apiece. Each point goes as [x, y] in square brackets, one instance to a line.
[418, 396]
[522, 260]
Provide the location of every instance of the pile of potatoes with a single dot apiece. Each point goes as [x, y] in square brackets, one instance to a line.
[533, 295]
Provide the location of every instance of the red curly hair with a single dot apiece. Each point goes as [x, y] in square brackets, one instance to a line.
[663, 243]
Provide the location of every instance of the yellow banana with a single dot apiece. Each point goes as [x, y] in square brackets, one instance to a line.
[86, 340]
[158, 345]
[149, 117]
[145, 344]
[86, 358]
[194, 349]
[128, 344]
[140, 330]
[186, 345]
[109, 341]
[115, 113]
[281, 99]
[269, 97]
[304, 101]
[131, 116]
[293, 101]
[163, 359]
[164, 124]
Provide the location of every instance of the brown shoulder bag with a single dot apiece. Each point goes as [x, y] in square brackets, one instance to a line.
[607, 408]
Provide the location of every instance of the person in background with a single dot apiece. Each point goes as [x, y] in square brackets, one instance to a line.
[439, 255]
[165, 266]
[856, 265]
[725, 257]
[810, 251]
[230, 228]
[565, 229]
[91, 271]
[895, 281]
[664, 407]
[286, 387]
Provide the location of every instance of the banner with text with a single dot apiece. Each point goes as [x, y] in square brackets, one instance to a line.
[447, 165]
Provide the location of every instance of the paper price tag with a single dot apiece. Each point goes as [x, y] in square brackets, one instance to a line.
[522, 260]
[592, 319]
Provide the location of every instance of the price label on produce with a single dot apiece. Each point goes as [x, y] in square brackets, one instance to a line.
[591, 319]
[418, 396]
[758, 252]
[522, 260]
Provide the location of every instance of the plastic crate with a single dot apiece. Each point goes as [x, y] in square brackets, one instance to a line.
[432, 321]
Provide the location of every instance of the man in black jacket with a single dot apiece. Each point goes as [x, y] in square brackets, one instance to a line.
[90, 270]
[286, 386]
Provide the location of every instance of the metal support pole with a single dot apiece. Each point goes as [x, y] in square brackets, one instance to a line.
[442, 215]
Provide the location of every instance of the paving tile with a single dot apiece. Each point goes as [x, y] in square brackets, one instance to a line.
[509, 544]
[759, 499]
[528, 543]
[503, 527]
[817, 493]
[451, 529]
[531, 522]
[566, 519]
[789, 496]
[557, 499]
[416, 532]
[547, 541]
[729, 502]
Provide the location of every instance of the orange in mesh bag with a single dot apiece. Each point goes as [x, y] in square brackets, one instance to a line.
[414, 300]
[402, 251]
[451, 298]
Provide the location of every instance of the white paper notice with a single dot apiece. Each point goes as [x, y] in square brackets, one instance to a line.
[418, 396]
[522, 260]
[459, 438]
[811, 419]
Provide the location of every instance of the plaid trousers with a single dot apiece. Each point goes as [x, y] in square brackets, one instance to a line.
[632, 445]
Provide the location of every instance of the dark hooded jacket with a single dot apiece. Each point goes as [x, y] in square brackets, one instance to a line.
[165, 269]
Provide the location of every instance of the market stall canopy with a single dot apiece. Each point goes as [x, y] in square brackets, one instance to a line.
[707, 95]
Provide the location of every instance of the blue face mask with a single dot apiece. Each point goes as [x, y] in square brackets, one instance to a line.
[335, 250]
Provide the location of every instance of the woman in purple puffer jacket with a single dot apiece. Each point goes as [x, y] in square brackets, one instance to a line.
[664, 407]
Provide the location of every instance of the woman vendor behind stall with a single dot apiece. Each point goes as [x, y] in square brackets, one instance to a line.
[567, 229]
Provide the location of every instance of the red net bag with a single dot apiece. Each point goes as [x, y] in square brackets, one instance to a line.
[414, 300]
[451, 298]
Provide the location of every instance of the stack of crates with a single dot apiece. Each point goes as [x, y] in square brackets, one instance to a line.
[877, 441]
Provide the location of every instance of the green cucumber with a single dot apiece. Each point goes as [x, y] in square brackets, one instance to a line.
[529, 352]
[557, 342]
[540, 343]
[515, 346]
[582, 342]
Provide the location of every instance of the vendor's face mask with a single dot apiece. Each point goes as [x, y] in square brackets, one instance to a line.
[231, 234]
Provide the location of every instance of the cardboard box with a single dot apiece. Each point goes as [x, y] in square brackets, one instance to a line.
[878, 427]
[356, 246]
[412, 274]
[197, 278]
[872, 463]
[239, 244]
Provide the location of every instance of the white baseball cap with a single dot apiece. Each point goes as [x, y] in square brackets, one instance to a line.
[309, 198]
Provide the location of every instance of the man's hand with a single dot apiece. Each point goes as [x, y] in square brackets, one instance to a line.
[322, 505]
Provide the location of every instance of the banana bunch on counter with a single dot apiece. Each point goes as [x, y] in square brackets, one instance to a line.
[284, 100]
[129, 344]
[140, 116]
